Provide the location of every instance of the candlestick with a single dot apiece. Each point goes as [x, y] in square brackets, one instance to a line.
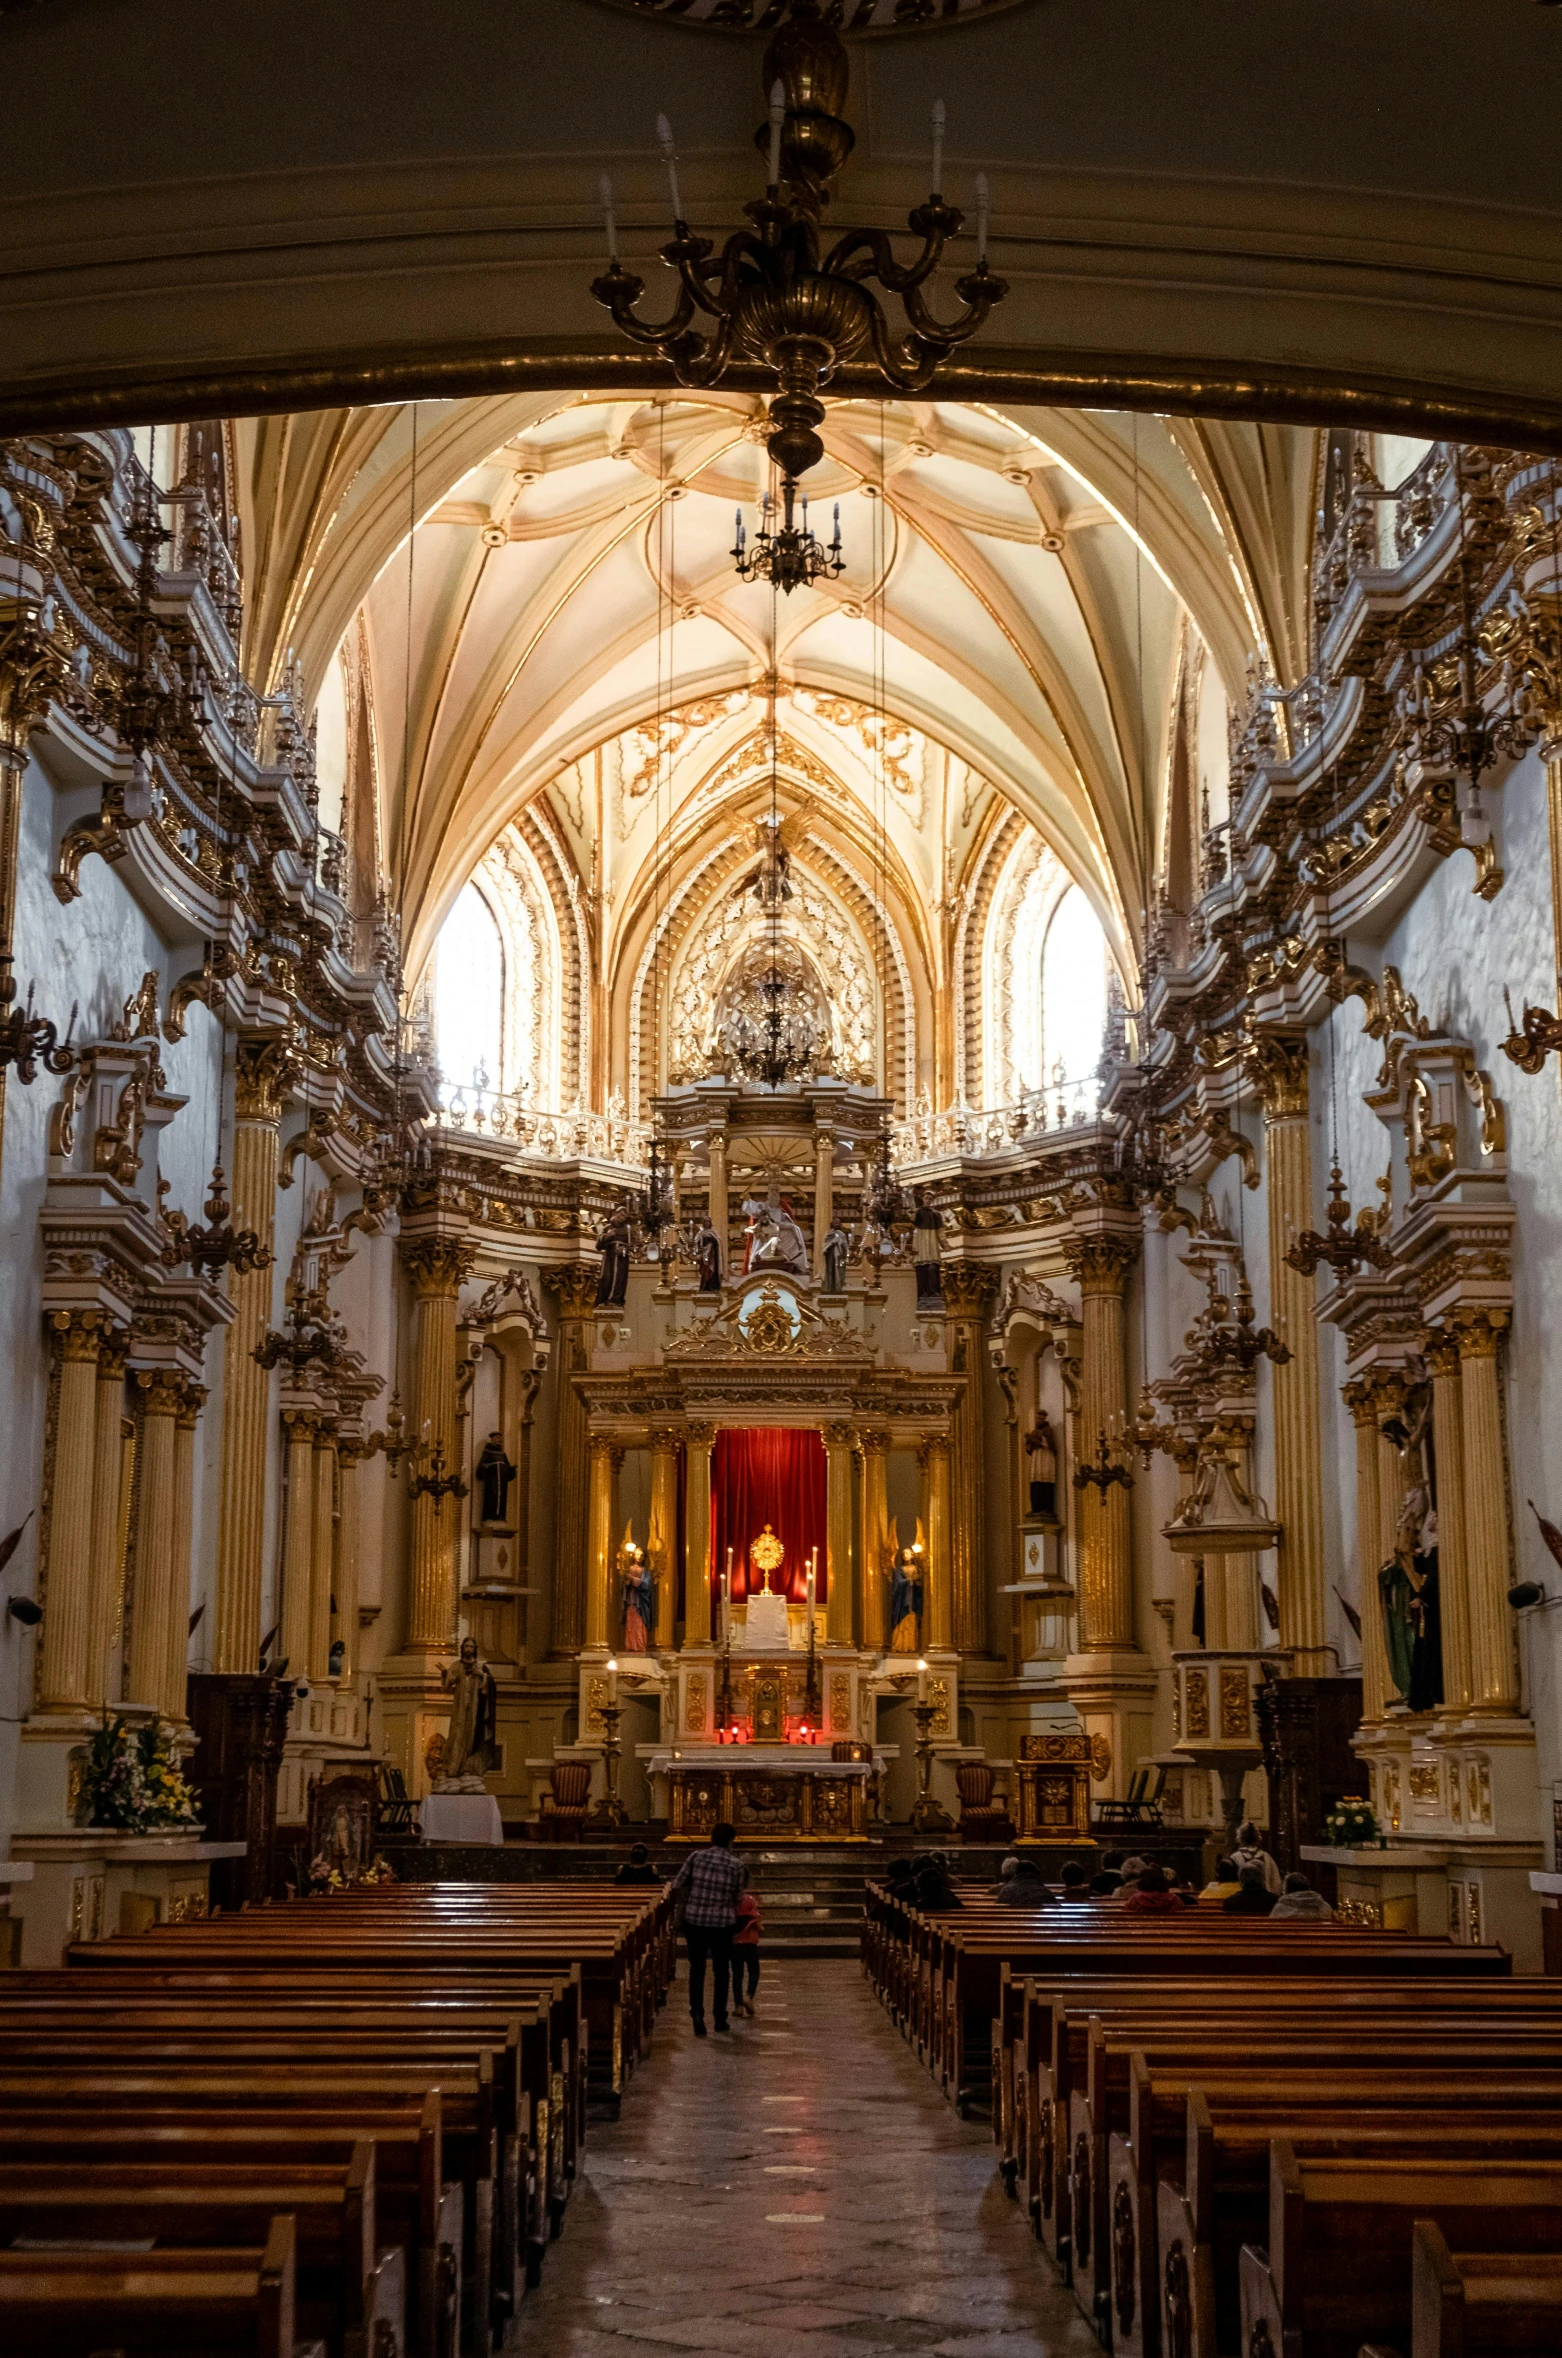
[777, 118]
[981, 219]
[605, 191]
[921, 1682]
[938, 149]
[612, 1679]
[664, 133]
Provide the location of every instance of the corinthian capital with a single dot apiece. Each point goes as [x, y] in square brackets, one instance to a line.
[1278, 1063]
[574, 1287]
[968, 1288]
[264, 1071]
[437, 1264]
[1101, 1261]
[32, 671]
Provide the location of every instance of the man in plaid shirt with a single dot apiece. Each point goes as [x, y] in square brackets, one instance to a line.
[708, 1884]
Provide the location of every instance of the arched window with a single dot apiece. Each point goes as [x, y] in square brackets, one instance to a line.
[469, 996]
[1073, 991]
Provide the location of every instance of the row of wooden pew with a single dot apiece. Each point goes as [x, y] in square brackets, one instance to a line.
[347, 2126]
[1278, 2140]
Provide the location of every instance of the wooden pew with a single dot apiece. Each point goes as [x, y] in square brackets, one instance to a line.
[1479, 2304]
[1338, 2266]
[152, 2304]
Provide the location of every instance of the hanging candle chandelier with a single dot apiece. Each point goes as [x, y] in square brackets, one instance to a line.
[772, 295]
[787, 555]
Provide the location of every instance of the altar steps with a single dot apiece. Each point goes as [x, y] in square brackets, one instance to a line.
[812, 1901]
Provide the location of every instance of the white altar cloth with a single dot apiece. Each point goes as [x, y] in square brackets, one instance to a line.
[460, 1817]
[765, 1627]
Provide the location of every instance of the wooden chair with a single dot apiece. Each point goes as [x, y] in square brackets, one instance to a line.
[980, 1819]
[395, 1801]
[563, 1816]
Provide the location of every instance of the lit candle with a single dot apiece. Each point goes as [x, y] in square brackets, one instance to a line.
[938, 149]
[981, 220]
[777, 118]
[612, 1679]
[921, 1682]
[605, 192]
[664, 132]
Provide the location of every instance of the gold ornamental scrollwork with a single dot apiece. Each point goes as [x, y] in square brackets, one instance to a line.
[856, 19]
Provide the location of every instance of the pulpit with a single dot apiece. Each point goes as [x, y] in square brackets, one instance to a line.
[1052, 1774]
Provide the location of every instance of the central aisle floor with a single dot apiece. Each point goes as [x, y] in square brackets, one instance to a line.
[795, 2188]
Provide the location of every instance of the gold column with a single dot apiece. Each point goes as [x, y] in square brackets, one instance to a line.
[1282, 1074]
[436, 1266]
[63, 1670]
[162, 1393]
[874, 1550]
[322, 1554]
[662, 1538]
[263, 1070]
[938, 1588]
[1358, 1398]
[719, 1215]
[824, 1197]
[176, 1680]
[298, 1536]
[576, 1290]
[968, 1294]
[1442, 1357]
[696, 1537]
[606, 1458]
[1101, 1263]
[108, 1456]
[349, 1458]
[1493, 1672]
[840, 1618]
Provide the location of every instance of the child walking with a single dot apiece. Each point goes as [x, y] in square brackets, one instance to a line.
[745, 1952]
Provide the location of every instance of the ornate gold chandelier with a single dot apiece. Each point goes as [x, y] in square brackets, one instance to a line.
[771, 294]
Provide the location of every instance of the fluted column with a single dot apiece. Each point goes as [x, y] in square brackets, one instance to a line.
[1453, 1590]
[1283, 1077]
[938, 1587]
[874, 1551]
[1359, 1399]
[262, 1072]
[436, 1265]
[64, 1683]
[662, 1538]
[824, 1197]
[349, 1458]
[968, 1294]
[162, 1393]
[1493, 1670]
[108, 1458]
[1101, 1263]
[840, 1614]
[696, 1537]
[575, 1288]
[322, 1553]
[177, 1667]
[606, 1458]
[720, 1218]
[299, 1425]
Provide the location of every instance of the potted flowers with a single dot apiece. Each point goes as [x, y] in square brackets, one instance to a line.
[133, 1783]
[1350, 1825]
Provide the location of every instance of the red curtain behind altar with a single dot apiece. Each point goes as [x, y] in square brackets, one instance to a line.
[766, 1475]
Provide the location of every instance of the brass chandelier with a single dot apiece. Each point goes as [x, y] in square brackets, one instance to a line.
[773, 297]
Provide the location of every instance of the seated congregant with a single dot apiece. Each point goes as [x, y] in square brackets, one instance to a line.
[1020, 1884]
[1076, 1885]
[1250, 1898]
[1222, 1885]
[1107, 1884]
[1250, 1852]
[637, 1868]
[1153, 1894]
[1299, 1901]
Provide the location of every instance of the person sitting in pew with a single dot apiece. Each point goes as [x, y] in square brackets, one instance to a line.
[1250, 1898]
[1131, 1870]
[1222, 1885]
[637, 1868]
[1107, 1884]
[1020, 1884]
[1075, 1883]
[1153, 1894]
[1250, 1852]
[935, 1887]
[1300, 1900]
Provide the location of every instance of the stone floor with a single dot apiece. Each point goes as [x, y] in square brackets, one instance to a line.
[794, 2188]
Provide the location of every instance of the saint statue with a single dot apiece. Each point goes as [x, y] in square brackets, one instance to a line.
[778, 1242]
[639, 1596]
[833, 1253]
[905, 1598]
[1041, 1458]
[707, 1259]
[494, 1476]
[470, 1746]
[613, 1245]
[767, 1555]
[926, 1250]
[1408, 1582]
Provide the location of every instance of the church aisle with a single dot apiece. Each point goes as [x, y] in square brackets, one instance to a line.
[795, 2188]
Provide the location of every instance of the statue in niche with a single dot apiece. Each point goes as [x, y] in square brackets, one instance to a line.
[1041, 1460]
[613, 1245]
[833, 1254]
[494, 1476]
[905, 1596]
[775, 1240]
[927, 1250]
[707, 1259]
[471, 1747]
[639, 1595]
[1408, 1588]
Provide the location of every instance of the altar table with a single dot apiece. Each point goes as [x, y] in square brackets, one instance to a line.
[460, 1817]
[773, 1793]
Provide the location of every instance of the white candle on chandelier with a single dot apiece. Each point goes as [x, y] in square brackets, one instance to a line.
[938, 149]
[777, 119]
[605, 192]
[664, 133]
[981, 220]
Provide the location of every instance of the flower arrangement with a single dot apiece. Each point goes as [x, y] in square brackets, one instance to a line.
[1350, 1825]
[324, 1876]
[133, 1781]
